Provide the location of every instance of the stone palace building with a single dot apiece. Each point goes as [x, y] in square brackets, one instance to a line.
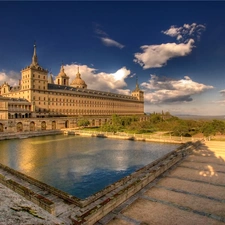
[39, 96]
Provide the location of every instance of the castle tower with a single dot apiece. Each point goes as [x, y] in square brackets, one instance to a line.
[137, 92]
[33, 77]
[62, 78]
[78, 82]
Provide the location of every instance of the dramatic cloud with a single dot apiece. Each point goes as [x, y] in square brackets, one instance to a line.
[100, 80]
[153, 56]
[164, 90]
[158, 55]
[11, 77]
[104, 37]
[185, 32]
[110, 42]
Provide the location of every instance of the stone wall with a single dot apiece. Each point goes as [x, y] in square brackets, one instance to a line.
[29, 194]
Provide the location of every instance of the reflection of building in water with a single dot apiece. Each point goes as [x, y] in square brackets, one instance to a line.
[37, 95]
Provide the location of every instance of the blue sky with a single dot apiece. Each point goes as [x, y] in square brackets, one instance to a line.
[176, 49]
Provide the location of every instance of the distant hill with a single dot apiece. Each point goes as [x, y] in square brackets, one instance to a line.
[201, 117]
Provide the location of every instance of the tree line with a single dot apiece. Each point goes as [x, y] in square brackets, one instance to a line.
[164, 122]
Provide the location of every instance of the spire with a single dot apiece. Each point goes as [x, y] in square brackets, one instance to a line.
[50, 79]
[78, 73]
[62, 68]
[137, 85]
[34, 58]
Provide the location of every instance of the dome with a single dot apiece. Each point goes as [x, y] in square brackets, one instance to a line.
[62, 72]
[78, 82]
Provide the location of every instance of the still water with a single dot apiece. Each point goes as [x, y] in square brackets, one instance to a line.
[80, 166]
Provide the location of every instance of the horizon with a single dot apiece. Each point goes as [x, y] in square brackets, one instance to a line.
[178, 59]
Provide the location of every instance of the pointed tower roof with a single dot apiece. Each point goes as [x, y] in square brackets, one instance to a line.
[34, 64]
[137, 85]
[50, 79]
[34, 58]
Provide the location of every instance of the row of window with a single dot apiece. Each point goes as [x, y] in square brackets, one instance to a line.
[80, 111]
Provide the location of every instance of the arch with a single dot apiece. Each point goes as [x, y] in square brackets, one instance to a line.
[93, 122]
[32, 126]
[19, 127]
[53, 125]
[1, 127]
[67, 125]
[43, 125]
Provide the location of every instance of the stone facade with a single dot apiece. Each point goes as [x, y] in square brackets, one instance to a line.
[46, 98]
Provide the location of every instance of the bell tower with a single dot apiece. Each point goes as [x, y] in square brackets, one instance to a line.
[34, 76]
[62, 78]
[137, 92]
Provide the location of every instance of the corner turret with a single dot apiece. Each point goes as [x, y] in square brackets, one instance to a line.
[137, 92]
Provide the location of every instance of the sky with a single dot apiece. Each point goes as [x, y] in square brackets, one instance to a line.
[175, 50]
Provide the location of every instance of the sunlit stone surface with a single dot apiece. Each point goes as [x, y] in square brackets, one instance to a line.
[80, 166]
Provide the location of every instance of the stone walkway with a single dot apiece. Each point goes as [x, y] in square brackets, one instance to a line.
[191, 193]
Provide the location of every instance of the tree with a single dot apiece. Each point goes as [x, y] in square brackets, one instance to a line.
[83, 123]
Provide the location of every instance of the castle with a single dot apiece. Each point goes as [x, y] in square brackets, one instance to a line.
[38, 96]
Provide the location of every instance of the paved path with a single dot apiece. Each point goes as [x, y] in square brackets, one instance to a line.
[191, 193]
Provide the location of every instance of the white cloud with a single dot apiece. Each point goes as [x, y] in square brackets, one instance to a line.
[100, 80]
[164, 90]
[154, 56]
[109, 42]
[158, 55]
[104, 37]
[11, 77]
[173, 31]
[185, 32]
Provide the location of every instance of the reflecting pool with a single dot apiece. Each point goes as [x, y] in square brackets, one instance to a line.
[80, 166]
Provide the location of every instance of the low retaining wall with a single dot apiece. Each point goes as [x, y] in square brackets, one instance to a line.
[134, 137]
[29, 194]
[21, 135]
[43, 186]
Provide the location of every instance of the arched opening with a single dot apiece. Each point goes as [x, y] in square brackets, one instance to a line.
[19, 127]
[53, 125]
[43, 125]
[93, 122]
[67, 124]
[32, 126]
[1, 127]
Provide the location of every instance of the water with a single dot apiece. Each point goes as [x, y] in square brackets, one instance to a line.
[80, 166]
